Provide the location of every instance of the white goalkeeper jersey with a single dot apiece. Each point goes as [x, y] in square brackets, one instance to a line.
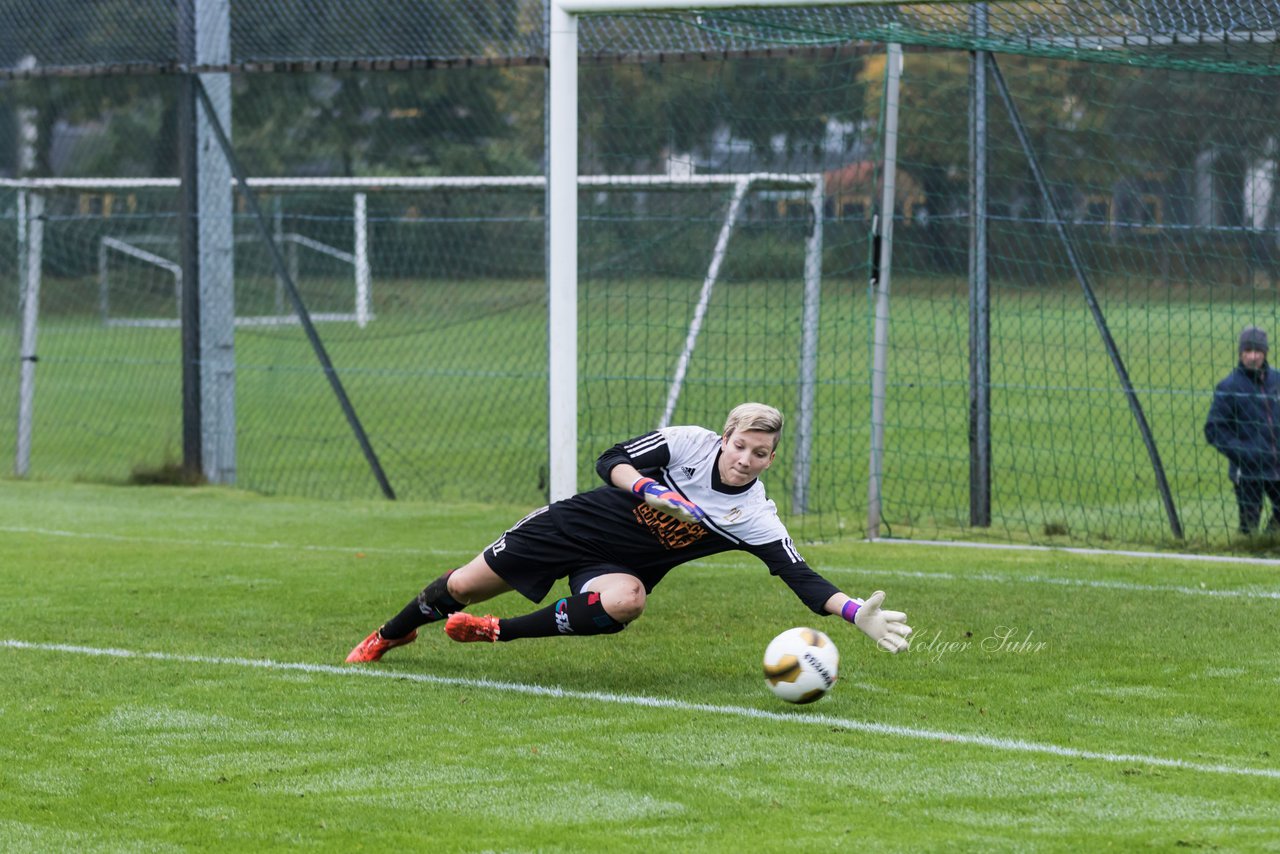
[739, 514]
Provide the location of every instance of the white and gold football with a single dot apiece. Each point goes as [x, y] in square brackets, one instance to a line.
[801, 665]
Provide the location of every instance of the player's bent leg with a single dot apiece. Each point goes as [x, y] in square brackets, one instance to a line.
[622, 595]
[605, 606]
[402, 628]
[450, 593]
[475, 582]
[432, 604]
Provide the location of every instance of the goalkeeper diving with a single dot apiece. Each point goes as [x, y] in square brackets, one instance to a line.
[670, 496]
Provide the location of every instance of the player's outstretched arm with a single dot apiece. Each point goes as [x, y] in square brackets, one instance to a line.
[888, 629]
[658, 496]
[666, 500]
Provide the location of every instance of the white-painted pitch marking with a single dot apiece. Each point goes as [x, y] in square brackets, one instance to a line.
[1076, 550]
[986, 577]
[239, 544]
[229, 544]
[1101, 584]
[992, 742]
[830, 568]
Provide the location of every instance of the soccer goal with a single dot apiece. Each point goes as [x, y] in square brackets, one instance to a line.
[133, 268]
[126, 262]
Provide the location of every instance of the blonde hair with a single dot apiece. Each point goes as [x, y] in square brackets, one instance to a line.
[755, 416]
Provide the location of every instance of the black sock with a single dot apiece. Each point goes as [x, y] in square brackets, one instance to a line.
[433, 603]
[574, 615]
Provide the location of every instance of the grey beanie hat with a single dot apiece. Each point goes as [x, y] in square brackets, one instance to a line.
[1253, 338]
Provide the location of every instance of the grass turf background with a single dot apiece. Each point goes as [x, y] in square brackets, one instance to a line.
[660, 737]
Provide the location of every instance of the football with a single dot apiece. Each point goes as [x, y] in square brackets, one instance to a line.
[801, 665]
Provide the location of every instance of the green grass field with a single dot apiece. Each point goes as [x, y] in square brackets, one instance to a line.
[173, 680]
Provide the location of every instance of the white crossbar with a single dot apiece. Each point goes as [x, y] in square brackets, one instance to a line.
[410, 182]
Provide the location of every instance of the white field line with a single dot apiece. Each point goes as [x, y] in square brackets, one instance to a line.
[1178, 556]
[991, 578]
[228, 544]
[829, 569]
[1098, 584]
[941, 736]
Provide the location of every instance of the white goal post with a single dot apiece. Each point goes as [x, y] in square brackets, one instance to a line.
[562, 362]
[133, 249]
[562, 240]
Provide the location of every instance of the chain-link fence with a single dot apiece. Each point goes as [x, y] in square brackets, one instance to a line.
[1152, 223]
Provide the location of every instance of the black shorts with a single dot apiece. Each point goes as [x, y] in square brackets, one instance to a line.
[533, 555]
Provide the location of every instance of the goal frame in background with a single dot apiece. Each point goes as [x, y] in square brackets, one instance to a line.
[361, 312]
[31, 192]
[133, 248]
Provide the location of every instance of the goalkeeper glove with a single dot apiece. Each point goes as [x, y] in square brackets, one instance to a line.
[666, 500]
[887, 628]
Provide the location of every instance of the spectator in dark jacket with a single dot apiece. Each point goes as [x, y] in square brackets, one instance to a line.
[1244, 425]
